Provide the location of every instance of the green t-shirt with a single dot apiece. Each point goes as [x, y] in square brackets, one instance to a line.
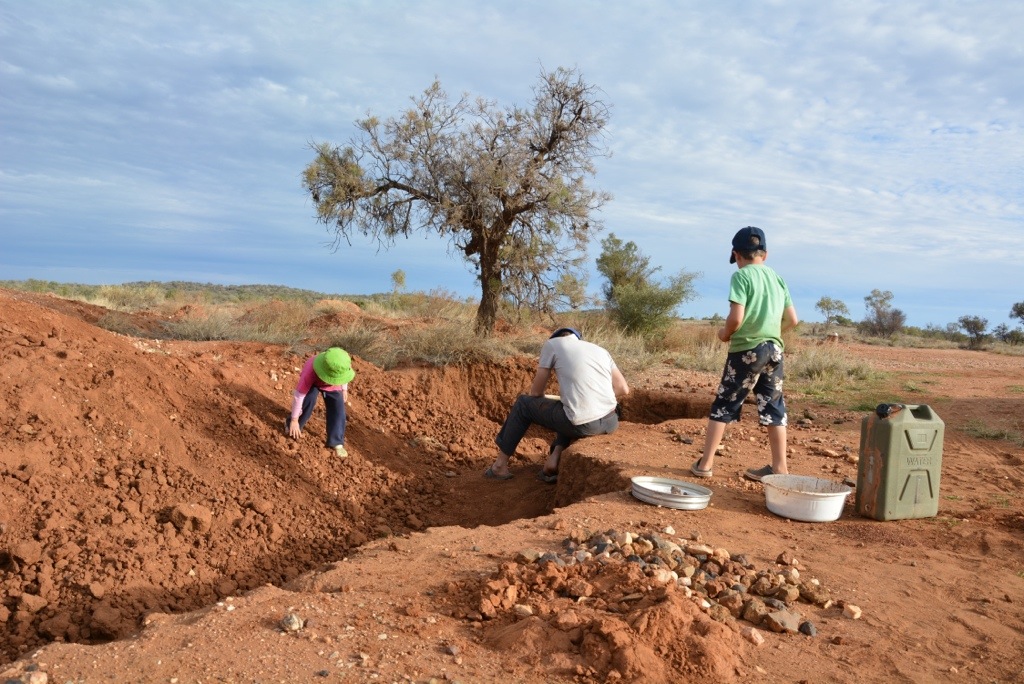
[764, 296]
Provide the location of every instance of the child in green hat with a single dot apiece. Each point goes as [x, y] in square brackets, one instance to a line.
[329, 374]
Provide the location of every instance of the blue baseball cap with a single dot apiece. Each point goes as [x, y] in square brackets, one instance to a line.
[749, 239]
[562, 331]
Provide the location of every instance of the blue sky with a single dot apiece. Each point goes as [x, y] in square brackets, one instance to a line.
[880, 145]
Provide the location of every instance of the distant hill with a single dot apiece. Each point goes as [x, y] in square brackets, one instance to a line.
[214, 294]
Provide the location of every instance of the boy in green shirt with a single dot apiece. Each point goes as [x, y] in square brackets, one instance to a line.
[760, 311]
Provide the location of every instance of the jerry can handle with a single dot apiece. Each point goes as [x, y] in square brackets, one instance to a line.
[886, 410]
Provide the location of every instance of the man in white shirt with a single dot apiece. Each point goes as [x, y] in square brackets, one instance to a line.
[590, 385]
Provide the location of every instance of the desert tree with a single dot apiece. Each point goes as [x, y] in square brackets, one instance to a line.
[539, 277]
[571, 291]
[507, 187]
[975, 327]
[621, 264]
[398, 281]
[882, 319]
[1017, 311]
[636, 301]
[831, 309]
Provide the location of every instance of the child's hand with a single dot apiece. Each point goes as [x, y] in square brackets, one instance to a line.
[294, 431]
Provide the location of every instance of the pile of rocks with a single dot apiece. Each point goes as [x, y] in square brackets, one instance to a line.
[726, 586]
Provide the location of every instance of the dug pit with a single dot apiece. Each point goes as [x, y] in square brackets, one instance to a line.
[141, 477]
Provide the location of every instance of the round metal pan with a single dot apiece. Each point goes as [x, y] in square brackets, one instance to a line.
[662, 491]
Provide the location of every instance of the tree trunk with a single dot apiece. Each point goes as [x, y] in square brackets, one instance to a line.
[490, 292]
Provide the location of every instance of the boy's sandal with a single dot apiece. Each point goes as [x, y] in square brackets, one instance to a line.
[699, 472]
[547, 478]
[756, 474]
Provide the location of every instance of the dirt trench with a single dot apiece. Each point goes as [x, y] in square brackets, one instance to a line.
[140, 476]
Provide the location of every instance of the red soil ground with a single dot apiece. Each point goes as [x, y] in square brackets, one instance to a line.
[156, 525]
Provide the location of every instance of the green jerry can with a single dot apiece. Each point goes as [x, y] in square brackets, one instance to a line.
[900, 462]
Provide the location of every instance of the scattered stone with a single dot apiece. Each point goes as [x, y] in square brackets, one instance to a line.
[851, 611]
[663, 576]
[741, 559]
[808, 628]
[732, 601]
[579, 587]
[752, 635]
[522, 610]
[815, 593]
[527, 556]
[719, 613]
[699, 549]
[783, 621]
[551, 558]
[787, 593]
[762, 587]
[291, 623]
[787, 558]
[791, 575]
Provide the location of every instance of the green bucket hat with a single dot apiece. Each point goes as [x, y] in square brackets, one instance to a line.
[334, 366]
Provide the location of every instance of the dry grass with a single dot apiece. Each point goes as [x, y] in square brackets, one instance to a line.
[980, 430]
[695, 345]
[437, 327]
[271, 321]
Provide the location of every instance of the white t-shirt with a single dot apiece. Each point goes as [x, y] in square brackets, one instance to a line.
[584, 373]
